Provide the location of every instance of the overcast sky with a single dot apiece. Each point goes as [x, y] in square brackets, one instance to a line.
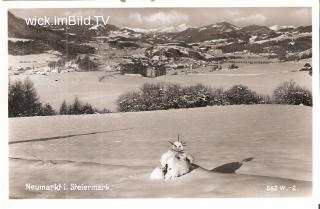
[154, 18]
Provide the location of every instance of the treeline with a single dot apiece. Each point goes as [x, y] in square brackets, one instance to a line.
[79, 108]
[86, 64]
[23, 101]
[70, 50]
[26, 47]
[163, 96]
[301, 44]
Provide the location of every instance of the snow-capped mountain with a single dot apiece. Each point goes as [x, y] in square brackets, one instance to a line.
[96, 27]
[171, 29]
[279, 27]
[220, 34]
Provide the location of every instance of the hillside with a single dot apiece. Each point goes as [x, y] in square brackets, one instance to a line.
[17, 28]
[221, 35]
[220, 30]
[41, 38]
[255, 30]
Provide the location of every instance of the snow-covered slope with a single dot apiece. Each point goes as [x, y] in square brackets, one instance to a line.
[122, 149]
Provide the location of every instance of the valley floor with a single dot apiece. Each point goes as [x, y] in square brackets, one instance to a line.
[102, 89]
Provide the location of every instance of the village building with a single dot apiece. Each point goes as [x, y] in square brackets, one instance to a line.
[142, 67]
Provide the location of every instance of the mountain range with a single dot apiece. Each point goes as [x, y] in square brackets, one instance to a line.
[231, 34]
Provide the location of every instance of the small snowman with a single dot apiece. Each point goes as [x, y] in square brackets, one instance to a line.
[173, 163]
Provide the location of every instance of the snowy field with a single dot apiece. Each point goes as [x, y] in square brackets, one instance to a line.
[102, 89]
[33, 60]
[121, 150]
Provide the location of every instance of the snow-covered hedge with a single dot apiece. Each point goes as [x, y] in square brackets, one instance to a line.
[291, 93]
[163, 96]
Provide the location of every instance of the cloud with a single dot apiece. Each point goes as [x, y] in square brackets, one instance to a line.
[304, 12]
[136, 17]
[159, 18]
[252, 19]
[232, 12]
[83, 13]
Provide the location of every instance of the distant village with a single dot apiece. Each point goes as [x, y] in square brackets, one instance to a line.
[157, 60]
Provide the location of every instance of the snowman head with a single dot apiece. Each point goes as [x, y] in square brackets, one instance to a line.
[177, 146]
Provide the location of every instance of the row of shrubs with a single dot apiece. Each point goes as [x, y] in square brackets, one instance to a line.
[291, 93]
[163, 96]
[79, 108]
[23, 101]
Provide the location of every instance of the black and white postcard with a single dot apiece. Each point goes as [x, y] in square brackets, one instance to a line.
[161, 102]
